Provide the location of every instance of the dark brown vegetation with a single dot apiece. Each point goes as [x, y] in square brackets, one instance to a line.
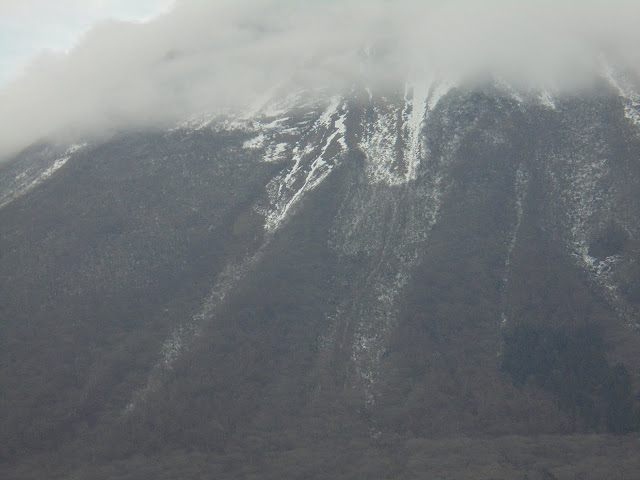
[584, 457]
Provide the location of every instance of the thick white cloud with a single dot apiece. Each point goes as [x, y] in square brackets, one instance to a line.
[29, 26]
[207, 55]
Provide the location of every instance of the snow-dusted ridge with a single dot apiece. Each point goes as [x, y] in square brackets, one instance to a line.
[626, 91]
[404, 172]
[388, 218]
[35, 174]
[313, 144]
[309, 166]
[381, 138]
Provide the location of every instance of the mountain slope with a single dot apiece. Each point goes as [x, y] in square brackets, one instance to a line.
[325, 270]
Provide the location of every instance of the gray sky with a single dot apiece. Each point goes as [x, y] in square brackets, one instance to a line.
[208, 54]
[29, 26]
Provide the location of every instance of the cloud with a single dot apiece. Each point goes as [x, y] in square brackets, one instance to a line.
[29, 26]
[208, 55]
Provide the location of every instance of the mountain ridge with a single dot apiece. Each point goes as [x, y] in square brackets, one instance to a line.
[322, 269]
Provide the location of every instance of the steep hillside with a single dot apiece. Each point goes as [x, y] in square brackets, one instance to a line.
[329, 286]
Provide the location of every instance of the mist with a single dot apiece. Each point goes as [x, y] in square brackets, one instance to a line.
[211, 56]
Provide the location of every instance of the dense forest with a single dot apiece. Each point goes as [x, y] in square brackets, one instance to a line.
[176, 306]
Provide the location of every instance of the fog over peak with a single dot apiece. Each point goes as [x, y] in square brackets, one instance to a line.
[204, 56]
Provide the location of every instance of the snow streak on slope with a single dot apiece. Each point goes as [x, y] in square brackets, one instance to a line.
[35, 174]
[626, 91]
[386, 220]
[546, 99]
[589, 200]
[311, 139]
[288, 128]
[528, 95]
[416, 97]
[390, 226]
[408, 144]
[590, 174]
[394, 148]
[309, 166]
[183, 337]
[379, 142]
[521, 185]
[505, 86]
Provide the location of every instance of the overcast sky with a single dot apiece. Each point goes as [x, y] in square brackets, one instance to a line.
[30, 26]
[205, 55]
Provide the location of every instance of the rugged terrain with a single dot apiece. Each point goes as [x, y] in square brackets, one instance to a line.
[437, 281]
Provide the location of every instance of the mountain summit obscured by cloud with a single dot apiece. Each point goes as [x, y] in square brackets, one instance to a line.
[204, 56]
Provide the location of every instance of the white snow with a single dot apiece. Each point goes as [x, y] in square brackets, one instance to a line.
[276, 124]
[546, 99]
[507, 87]
[390, 226]
[628, 93]
[260, 103]
[285, 192]
[195, 123]
[416, 106]
[318, 172]
[341, 130]
[275, 153]
[255, 143]
[284, 195]
[30, 179]
[186, 333]
[378, 144]
[439, 90]
[380, 138]
[285, 105]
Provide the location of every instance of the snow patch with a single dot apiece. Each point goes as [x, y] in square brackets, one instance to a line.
[378, 145]
[626, 92]
[382, 138]
[26, 181]
[309, 169]
[416, 107]
[195, 123]
[546, 99]
[341, 130]
[275, 153]
[439, 90]
[255, 143]
[506, 86]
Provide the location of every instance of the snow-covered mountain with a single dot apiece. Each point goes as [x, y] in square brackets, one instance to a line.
[324, 266]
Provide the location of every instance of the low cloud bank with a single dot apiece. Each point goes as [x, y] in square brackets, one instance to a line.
[204, 56]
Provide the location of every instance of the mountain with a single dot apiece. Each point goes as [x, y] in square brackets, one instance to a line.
[433, 281]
